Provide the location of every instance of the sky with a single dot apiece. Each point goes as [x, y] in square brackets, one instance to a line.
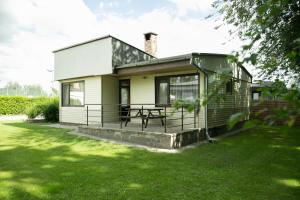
[31, 29]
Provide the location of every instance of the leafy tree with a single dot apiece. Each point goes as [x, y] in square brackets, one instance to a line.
[16, 89]
[271, 32]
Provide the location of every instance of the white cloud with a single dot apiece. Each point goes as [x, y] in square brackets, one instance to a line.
[185, 6]
[38, 27]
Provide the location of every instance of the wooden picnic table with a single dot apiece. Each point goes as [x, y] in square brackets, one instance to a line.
[150, 115]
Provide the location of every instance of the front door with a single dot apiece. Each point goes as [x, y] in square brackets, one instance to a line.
[124, 96]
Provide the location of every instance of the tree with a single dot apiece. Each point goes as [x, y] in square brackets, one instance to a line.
[271, 32]
[15, 89]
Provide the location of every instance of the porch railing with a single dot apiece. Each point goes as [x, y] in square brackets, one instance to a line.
[162, 118]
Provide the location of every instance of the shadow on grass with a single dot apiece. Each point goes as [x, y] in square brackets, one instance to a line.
[38, 162]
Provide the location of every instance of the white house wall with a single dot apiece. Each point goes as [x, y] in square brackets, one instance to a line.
[77, 115]
[110, 98]
[94, 58]
[142, 91]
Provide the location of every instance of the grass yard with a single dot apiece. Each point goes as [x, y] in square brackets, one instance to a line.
[47, 163]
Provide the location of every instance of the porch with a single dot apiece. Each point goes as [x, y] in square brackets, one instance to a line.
[168, 128]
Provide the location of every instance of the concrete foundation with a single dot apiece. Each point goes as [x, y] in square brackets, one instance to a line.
[151, 139]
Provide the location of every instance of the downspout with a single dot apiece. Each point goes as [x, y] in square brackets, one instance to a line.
[210, 139]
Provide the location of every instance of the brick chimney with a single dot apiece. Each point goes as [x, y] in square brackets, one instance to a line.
[151, 43]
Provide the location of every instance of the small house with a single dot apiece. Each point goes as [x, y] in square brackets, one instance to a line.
[111, 84]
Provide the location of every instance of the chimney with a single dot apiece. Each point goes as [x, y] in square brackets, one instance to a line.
[151, 43]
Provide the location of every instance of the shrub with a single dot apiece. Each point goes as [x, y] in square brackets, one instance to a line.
[12, 105]
[34, 111]
[48, 108]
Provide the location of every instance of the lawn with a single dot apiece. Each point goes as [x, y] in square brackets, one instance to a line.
[38, 162]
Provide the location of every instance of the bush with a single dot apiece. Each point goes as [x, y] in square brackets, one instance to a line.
[48, 109]
[12, 105]
[32, 112]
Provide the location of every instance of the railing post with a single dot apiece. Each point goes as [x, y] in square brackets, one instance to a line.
[142, 118]
[120, 116]
[87, 115]
[102, 123]
[196, 107]
[165, 119]
[182, 118]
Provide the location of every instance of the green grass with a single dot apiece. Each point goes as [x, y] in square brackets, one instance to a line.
[47, 163]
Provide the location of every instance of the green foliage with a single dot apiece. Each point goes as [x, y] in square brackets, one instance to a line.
[11, 105]
[15, 89]
[48, 109]
[271, 31]
[33, 111]
[190, 106]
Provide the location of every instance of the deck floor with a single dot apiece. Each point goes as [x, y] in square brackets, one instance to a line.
[138, 127]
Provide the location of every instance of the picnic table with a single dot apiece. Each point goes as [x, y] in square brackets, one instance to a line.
[152, 113]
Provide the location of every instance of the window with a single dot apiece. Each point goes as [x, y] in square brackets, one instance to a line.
[73, 94]
[229, 87]
[172, 88]
[255, 96]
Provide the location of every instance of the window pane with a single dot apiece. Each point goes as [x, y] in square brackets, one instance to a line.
[124, 95]
[77, 94]
[256, 96]
[65, 94]
[184, 88]
[163, 93]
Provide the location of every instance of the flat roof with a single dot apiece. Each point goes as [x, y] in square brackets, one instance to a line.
[96, 39]
[174, 59]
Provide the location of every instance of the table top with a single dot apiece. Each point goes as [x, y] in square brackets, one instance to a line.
[146, 108]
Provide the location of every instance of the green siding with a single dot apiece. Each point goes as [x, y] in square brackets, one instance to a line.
[124, 53]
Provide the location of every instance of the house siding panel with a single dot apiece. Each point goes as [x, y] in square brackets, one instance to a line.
[94, 58]
[77, 115]
[110, 98]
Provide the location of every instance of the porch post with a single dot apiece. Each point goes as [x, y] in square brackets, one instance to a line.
[182, 118]
[120, 116]
[142, 118]
[87, 115]
[165, 118]
[102, 116]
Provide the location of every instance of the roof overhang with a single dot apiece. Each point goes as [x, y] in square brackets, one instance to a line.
[176, 63]
[174, 66]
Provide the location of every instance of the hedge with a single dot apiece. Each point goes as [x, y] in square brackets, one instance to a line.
[12, 105]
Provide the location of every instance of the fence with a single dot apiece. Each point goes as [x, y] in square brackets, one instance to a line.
[262, 109]
[144, 117]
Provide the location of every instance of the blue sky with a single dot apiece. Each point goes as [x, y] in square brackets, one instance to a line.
[127, 7]
[135, 8]
[31, 29]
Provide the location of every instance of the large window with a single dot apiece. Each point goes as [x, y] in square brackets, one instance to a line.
[73, 94]
[172, 88]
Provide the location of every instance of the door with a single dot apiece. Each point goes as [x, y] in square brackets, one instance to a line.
[124, 97]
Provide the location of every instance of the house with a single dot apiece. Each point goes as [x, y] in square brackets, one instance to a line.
[265, 90]
[257, 87]
[100, 74]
